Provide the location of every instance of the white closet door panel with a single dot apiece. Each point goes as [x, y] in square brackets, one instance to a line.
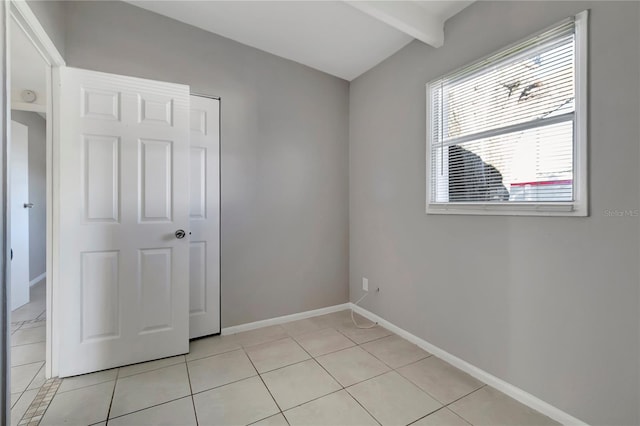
[204, 217]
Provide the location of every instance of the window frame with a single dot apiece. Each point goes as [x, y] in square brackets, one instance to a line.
[577, 207]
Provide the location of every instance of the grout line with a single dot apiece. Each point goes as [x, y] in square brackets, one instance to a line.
[219, 386]
[462, 397]
[193, 403]
[337, 381]
[363, 407]
[456, 414]
[262, 380]
[268, 417]
[145, 408]
[145, 371]
[113, 393]
[277, 339]
[84, 386]
[209, 356]
[484, 385]
[311, 400]
[427, 415]
[29, 343]
[32, 379]
[285, 366]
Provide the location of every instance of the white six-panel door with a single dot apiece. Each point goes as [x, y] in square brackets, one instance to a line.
[123, 291]
[204, 217]
[19, 215]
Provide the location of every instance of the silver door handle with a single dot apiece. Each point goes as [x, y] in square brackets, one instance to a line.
[28, 205]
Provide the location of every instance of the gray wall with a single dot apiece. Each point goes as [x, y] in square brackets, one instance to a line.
[37, 190]
[284, 153]
[547, 304]
[51, 16]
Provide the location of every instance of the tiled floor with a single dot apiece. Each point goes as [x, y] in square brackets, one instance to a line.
[318, 371]
[27, 352]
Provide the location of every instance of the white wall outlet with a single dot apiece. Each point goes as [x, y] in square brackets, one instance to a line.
[365, 284]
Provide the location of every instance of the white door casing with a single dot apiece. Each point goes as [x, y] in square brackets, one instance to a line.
[204, 217]
[123, 159]
[19, 214]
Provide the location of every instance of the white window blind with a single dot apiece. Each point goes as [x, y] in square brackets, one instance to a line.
[502, 131]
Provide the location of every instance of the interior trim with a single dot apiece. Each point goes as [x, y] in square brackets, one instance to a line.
[284, 319]
[488, 378]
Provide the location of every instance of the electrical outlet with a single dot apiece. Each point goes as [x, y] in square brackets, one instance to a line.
[365, 284]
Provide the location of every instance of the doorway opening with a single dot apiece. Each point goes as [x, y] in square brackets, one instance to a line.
[27, 169]
[31, 56]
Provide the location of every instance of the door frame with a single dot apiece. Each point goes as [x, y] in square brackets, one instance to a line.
[22, 15]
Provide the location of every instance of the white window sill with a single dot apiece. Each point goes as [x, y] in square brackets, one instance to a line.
[509, 209]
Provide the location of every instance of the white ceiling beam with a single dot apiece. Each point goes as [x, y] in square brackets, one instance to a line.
[407, 17]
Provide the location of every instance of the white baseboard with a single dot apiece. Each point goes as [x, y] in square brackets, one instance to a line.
[493, 381]
[37, 279]
[284, 319]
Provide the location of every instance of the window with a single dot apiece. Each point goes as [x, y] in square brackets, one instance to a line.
[507, 135]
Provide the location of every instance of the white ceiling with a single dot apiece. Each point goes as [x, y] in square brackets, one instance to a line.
[341, 38]
[28, 68]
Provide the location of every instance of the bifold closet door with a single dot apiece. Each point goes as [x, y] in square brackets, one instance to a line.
[204, 217]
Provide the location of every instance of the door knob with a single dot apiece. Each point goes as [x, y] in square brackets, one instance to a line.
[28, 205]
[180, 234]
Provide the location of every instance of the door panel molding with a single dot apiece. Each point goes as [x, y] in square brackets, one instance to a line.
[120, 207]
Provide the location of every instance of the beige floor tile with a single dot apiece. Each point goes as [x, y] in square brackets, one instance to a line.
[151, 388]
[21, 376]
[218, 370]
[21, 406]
[352, 365]
[363, 335]
[277, 420]
[395, 351]
[202, 348]
[279, 353]
[15, 397]
[301, 326]
[38, 380]
[393, 400]
[338, 408]
[440, 379]
[80, 407]
[335, 319]
[28, 312]
[442, 417]
[40, 323]
[238, 403]
[261, 335]
[299, 383]
[488, 406]
[25, 336]
[85, 380]
[27, 354]
[174, 413]
[323, 341]
[142, 367]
